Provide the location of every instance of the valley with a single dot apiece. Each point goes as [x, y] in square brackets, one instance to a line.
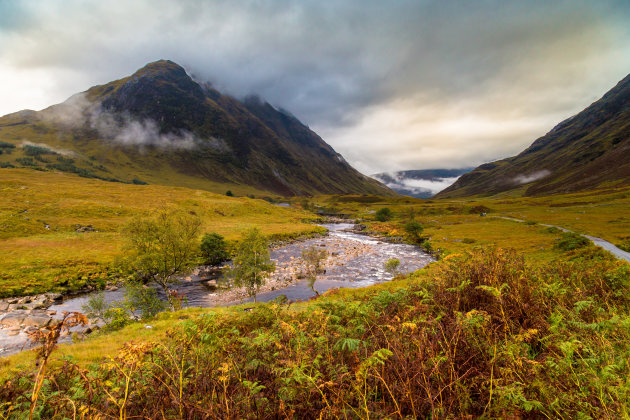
[178, 240]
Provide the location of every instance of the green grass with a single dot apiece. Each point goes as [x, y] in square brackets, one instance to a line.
[39, 214]
[506, 324]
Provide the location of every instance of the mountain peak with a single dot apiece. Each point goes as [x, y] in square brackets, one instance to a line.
[161, 91]
[162, 69]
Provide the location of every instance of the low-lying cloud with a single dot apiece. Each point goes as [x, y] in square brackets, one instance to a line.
[62, 152]
[122, 128]
[415, 187]
[531, 177]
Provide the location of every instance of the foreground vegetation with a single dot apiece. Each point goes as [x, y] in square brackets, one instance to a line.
[477, 334]
[515, 320]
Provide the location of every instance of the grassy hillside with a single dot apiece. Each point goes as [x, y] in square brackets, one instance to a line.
[585, 152]
[42, 212]
[531, 331]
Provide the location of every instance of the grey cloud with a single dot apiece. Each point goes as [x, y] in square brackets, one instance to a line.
[337, 64]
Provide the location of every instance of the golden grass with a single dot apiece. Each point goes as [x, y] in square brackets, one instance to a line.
[41, 258]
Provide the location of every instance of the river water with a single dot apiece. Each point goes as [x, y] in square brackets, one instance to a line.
[357, 261]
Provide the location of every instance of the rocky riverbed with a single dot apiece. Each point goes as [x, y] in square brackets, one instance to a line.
[353, 260]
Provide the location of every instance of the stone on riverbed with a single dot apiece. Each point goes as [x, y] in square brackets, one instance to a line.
[12, 320]
[37, 321]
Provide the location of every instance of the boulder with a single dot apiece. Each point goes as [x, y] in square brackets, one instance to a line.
[12, 320]
[37, 321]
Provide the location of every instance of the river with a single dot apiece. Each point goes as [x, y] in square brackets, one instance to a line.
[355, 261]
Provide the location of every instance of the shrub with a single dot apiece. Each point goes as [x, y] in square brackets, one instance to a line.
[37, 151]
[6, 145]
[229, 193]
[391, 266]
[214, 249]
[570, 241]
[96, 307]
[26, 161]
[625, 244]
[384, 214]
[137, 181]
[414, 229]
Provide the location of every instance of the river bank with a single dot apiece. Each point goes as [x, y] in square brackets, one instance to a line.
[353, 260]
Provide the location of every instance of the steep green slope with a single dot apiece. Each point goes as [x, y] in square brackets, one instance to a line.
[586, 151]
[160, 126]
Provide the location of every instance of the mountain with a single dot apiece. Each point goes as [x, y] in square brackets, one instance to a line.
[586, 151]
[160, 126]
[420, 183]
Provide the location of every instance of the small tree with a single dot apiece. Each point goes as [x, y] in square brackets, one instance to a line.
[164, 246]
[252, 263]
[414, 229]
[213, 249]
[391, 266]
[313, 257]
[384, 214]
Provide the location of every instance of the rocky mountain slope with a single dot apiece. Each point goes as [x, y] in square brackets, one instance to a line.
[586, 151]
[160, 126]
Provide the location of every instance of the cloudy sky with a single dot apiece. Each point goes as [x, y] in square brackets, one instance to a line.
[391, 85]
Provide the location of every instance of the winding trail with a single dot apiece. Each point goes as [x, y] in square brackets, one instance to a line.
[619, 253]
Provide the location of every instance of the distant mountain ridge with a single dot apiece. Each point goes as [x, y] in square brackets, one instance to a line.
[586, 151]
[422, 183]
[161, 126]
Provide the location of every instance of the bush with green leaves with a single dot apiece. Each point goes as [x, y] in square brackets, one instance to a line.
[384, 214]
[251, 263]
[625, 244]
[139, 302]
[570, 241]
[391, 266]
[414, 230]
[30, 150]
[214, 249]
